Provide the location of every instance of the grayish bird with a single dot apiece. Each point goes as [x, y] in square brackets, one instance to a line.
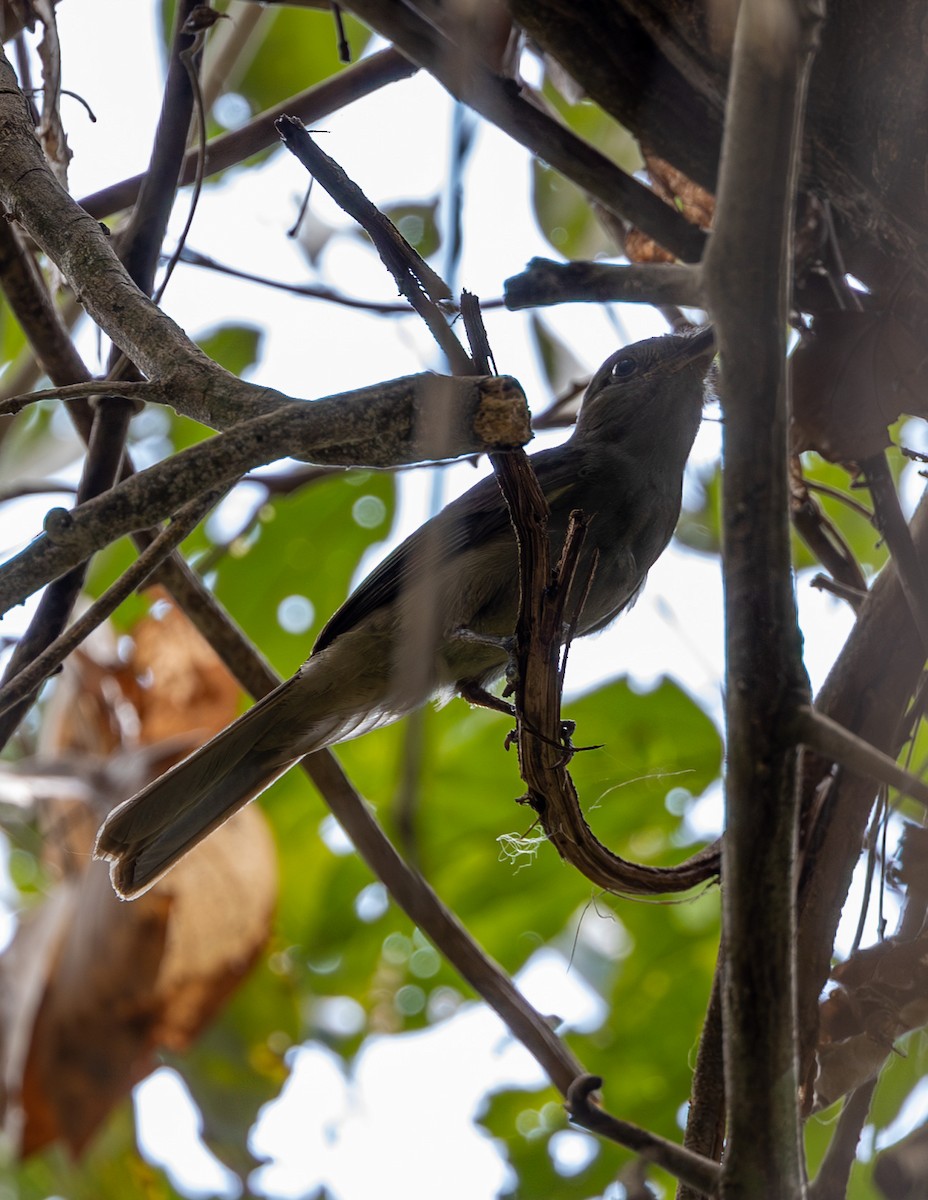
[434, 617]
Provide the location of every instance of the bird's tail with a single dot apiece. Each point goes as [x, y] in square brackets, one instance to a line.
[144, 836]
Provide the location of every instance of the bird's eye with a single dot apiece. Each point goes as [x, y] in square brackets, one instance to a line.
[624, 367]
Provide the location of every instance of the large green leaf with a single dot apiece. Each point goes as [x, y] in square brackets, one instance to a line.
[291, 49]
[305, 546]
[562, 210]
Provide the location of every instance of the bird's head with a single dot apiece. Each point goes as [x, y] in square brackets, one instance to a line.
[649, 390]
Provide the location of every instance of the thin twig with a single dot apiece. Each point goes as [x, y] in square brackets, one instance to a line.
[826, 737]
[697, 1172]
[836, 494]
[189, 58]
[895, 532]
[415, 279]
[139, 243]
[824, 539]
[393, 308]
[133, 389]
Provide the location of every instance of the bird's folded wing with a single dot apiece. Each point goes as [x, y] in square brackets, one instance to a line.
[475, 519]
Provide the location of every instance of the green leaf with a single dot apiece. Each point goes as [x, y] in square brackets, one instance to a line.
[111, 1167]
[418, 223]
[235, 347]
[297, 48]
[562, 210]
[307, 546]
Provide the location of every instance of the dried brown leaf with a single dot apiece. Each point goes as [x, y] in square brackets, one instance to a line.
[882, 993]
[223, 898]
[680, 192]
[189, 680]
[851, 379]
[91, 1036]
[639, 248]
[91, 986]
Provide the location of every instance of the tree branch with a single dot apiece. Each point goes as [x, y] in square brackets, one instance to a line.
[891, 524]
[748, 284]
[705, 1120]
[416, 280]
[498, 99]
[697, 1172]
[22, 685]
[140, 240]
[29, 299]
[547, 282]
[354, 83]
[866, 693]
[830, 740]
[407, 420]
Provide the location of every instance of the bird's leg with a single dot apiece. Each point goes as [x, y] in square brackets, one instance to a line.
[473, 693]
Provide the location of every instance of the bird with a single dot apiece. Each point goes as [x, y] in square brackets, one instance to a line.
[436, 616]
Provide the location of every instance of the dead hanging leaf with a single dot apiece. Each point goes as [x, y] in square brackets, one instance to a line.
[882, 993]
[680, 192]
[851, 379]
[188, 680]
[92, 710]
[223, 898]
[91, 1036]
[92, 987]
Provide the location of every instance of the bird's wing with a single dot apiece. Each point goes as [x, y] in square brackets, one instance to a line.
[477, 517]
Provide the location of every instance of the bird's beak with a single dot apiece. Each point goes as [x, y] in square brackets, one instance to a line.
[698, 345]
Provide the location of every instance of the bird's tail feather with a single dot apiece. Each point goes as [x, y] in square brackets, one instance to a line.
[144, 836]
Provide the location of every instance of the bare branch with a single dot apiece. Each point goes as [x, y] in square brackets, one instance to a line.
[748, 282]
[140, 241]
[829, 739]
[407, 420]
[543, 756]
[131, 388]
[499, 100]
[30, 301]
[697, 1172]
[395, 308]
[891, 524]
[547, 282]
[23, 685]
[383, 68]
[833, 1175]
[416, 280]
